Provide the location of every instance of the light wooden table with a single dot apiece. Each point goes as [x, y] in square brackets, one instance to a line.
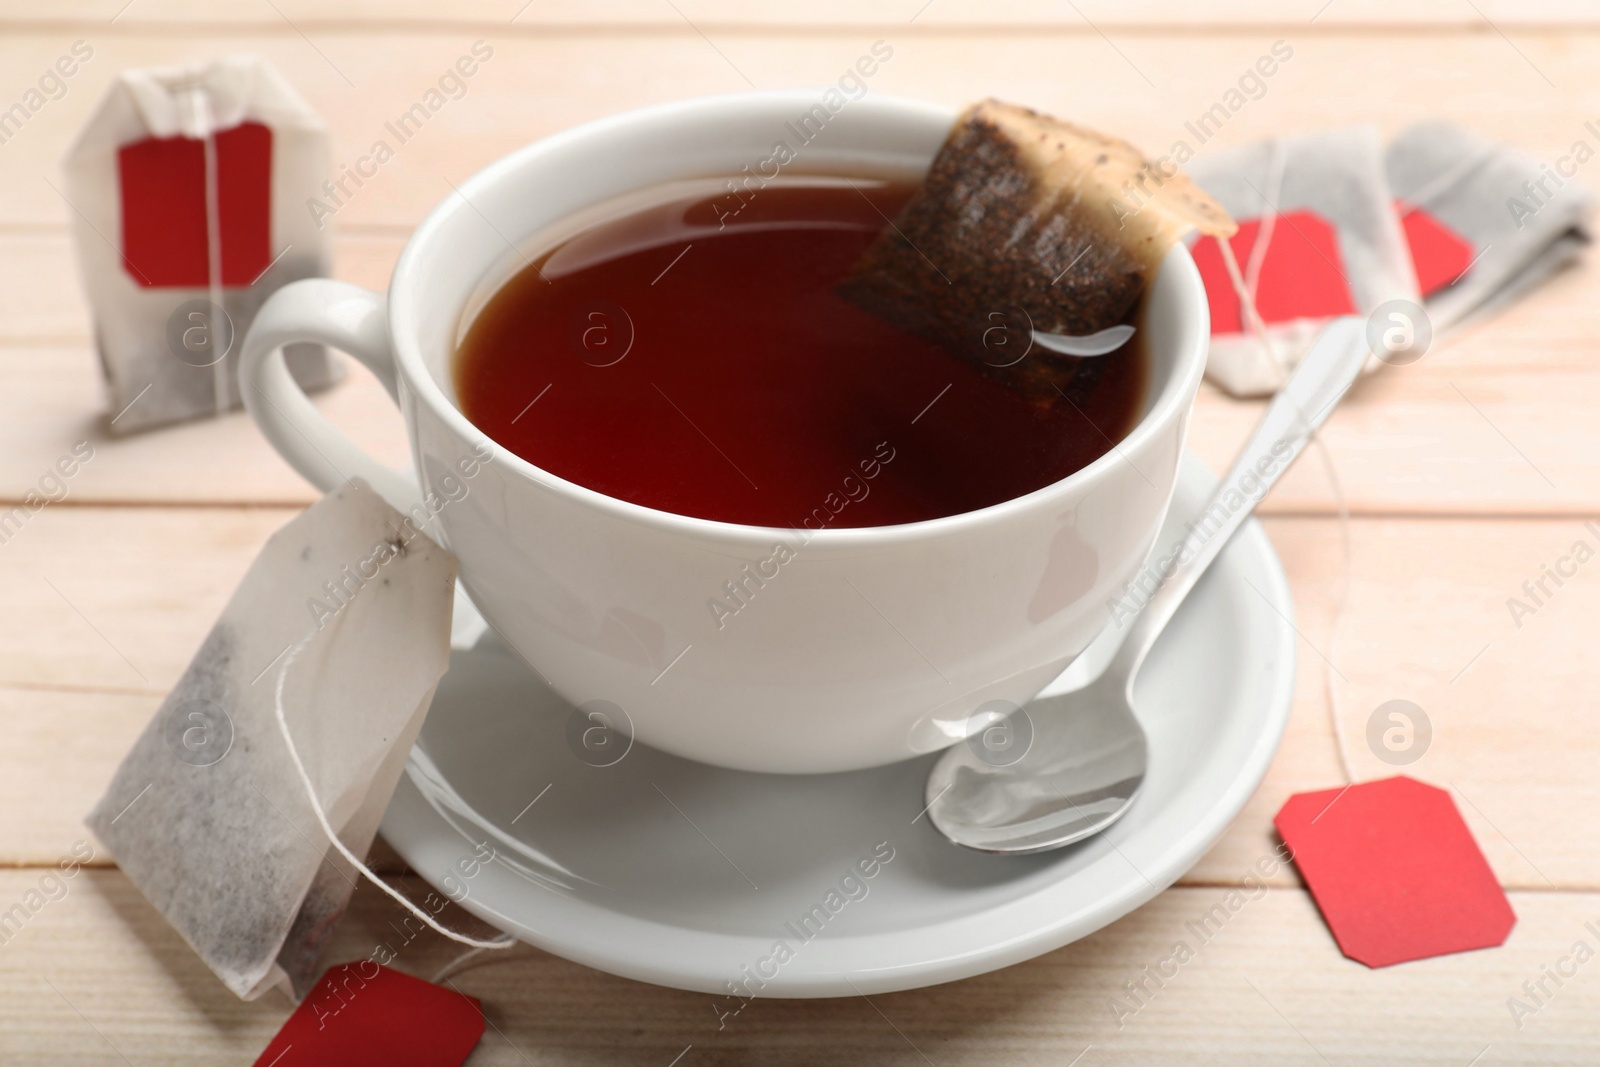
[1454, 504]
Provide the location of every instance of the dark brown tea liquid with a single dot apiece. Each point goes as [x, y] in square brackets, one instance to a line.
[693, 357]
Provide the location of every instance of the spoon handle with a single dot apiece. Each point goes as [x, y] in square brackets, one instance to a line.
[1300, 407]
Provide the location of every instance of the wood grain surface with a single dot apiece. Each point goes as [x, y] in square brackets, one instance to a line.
[1465, 474]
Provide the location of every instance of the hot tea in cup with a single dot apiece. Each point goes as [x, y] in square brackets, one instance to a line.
[691, 352]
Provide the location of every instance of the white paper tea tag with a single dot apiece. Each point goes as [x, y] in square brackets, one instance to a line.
[343, 621]
[189, 187]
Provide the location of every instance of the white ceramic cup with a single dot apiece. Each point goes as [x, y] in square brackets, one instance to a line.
[870, 644]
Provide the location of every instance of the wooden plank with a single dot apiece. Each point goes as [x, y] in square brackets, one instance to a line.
[61, 749]
[119, 599]
[1432, 624]
[1431, 15]
[1511, 709]
[107, 603]
[54, 400]
[111, 603]
[98, 974]
[1428, 621]
[1465, 431]
[1145, 88]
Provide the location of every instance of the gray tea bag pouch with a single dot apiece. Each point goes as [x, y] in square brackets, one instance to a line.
[335, 639]
[1524, 219]
[1337, 176]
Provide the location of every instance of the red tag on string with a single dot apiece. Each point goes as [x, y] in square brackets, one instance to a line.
[1302, 272]
[1395, 871]
[1439, 254]
[163, 186]
[361, 1014]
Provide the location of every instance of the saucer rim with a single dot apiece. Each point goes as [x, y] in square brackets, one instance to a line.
[668, 954]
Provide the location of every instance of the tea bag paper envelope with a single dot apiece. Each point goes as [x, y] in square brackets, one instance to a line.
[207, 814]
[1519, 220]
[1318, 238]
[189, 189]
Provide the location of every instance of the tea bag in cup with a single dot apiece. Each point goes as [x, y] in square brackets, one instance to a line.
[190, 190]
[242, 809]
[1028, 225]
[1487, 223]
[1318, 238]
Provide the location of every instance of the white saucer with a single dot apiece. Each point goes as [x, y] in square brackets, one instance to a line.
[673, 872]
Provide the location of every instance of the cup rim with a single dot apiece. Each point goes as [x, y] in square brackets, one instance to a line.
[1168, 405]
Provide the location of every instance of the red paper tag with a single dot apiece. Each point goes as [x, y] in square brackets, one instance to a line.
[1302, 275]
[361, 1014]
[1395, 871]
[1439, 254]
[163, 186]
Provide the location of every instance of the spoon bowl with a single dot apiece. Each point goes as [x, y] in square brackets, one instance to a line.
[1080, 774]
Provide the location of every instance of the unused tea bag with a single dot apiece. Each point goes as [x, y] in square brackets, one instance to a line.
[1318, 238]
[342, 626]
[1027, 224]
[189, 189]
[1486, 223]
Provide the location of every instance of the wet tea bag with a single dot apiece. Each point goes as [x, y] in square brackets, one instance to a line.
[189, 188]
[1485, 222]
[1318, 238]
[336, 638]
[1028, 225]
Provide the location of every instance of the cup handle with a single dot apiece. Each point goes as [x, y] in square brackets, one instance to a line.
[356, 321]
[348, 318]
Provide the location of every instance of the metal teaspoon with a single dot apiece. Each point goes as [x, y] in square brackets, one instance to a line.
[1088, 754]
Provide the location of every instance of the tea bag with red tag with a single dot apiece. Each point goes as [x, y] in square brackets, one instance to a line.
[1318, 238]
[189, 188]
[242, 809]
[1485, 222]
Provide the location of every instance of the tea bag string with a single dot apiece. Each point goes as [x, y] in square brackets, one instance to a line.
[1245, 282]
[1336, 625]
[203, 121]
[1276, 162]
[1247, 310]
[505, 941]
[1258, 327]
